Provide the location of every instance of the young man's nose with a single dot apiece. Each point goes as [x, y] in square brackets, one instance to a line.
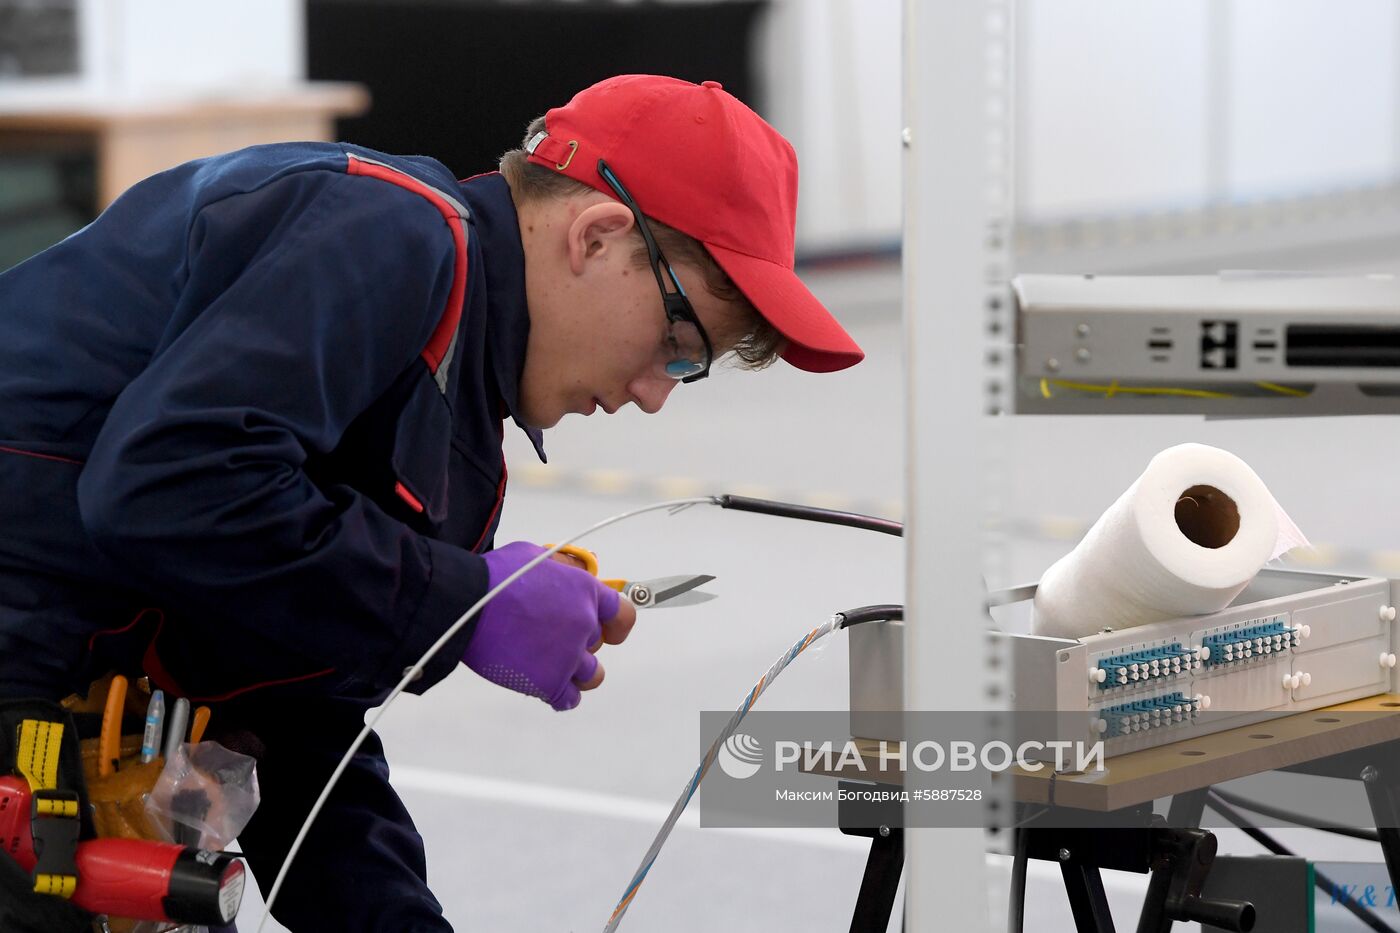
[650, 392]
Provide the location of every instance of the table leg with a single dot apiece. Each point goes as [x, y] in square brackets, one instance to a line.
[1380, 791]
[1087, 900]
[1186, 809]
[877, 889]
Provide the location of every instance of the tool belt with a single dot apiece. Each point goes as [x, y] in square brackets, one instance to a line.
[38, 743]
[57, 749]
[118, 799]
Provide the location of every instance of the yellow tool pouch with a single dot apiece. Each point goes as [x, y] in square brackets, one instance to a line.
[118, 799]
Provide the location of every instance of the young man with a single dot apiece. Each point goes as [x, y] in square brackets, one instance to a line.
[251, 422]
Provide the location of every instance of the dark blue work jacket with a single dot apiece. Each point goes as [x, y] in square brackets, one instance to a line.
[250, 439]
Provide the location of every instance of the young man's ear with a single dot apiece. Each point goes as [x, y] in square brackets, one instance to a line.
[597, 228]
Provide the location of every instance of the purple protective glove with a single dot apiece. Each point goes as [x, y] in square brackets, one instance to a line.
[534, 637]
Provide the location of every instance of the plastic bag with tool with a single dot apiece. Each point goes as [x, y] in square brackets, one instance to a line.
[205, 796]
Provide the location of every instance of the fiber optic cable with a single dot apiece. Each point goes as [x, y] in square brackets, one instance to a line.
[1282, 390]
[810, 513]
[412, 673]
[1300, 819]
[415, 671]
[1114, 388]
[827, 627]
[840, 620]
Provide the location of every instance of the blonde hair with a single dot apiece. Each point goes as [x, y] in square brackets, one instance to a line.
[759, 343]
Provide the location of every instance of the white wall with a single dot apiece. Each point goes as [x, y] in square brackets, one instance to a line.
[1312, 98]
[832, 69]
[143, 48]
[1111, 105]
[1122, 107]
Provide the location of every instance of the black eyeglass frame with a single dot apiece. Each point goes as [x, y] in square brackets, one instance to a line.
[677, 304]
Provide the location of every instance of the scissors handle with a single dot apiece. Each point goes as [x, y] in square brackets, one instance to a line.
[590, 563]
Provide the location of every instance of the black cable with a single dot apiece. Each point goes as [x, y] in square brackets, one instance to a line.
[882, 613]
[886, 612]
[1016, 910]
[810, 513]
[1322, 881]
[1301, 819]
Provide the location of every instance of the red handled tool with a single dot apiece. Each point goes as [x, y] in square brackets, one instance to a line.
[134, 878]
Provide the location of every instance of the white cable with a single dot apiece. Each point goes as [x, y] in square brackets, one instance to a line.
[649, 859]
[414, 672]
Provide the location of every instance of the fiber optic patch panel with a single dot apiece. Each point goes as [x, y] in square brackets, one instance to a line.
[1291, 642]
[1155, 712]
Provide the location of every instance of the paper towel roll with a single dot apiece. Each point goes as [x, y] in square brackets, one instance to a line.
[1185, 538]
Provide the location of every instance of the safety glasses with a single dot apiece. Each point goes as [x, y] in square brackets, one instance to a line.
[687, 353]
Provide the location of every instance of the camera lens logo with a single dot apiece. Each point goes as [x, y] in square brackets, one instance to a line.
[740, 756]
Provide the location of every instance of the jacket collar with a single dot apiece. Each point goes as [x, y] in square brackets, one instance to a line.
[497, 229]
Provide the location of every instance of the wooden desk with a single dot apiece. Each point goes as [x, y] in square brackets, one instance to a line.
[136, 138]
[1141, 777]
[1177, 855]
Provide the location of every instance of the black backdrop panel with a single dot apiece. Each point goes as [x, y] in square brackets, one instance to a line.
[459, 81]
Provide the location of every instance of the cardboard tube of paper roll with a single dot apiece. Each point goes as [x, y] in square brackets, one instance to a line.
[1184, 539]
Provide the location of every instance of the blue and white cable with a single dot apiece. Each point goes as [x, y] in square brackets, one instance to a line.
[649, 859]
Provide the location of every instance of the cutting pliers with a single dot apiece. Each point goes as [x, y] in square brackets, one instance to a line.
[647, 594]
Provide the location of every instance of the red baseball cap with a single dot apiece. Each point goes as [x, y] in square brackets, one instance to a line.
[697, 159]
